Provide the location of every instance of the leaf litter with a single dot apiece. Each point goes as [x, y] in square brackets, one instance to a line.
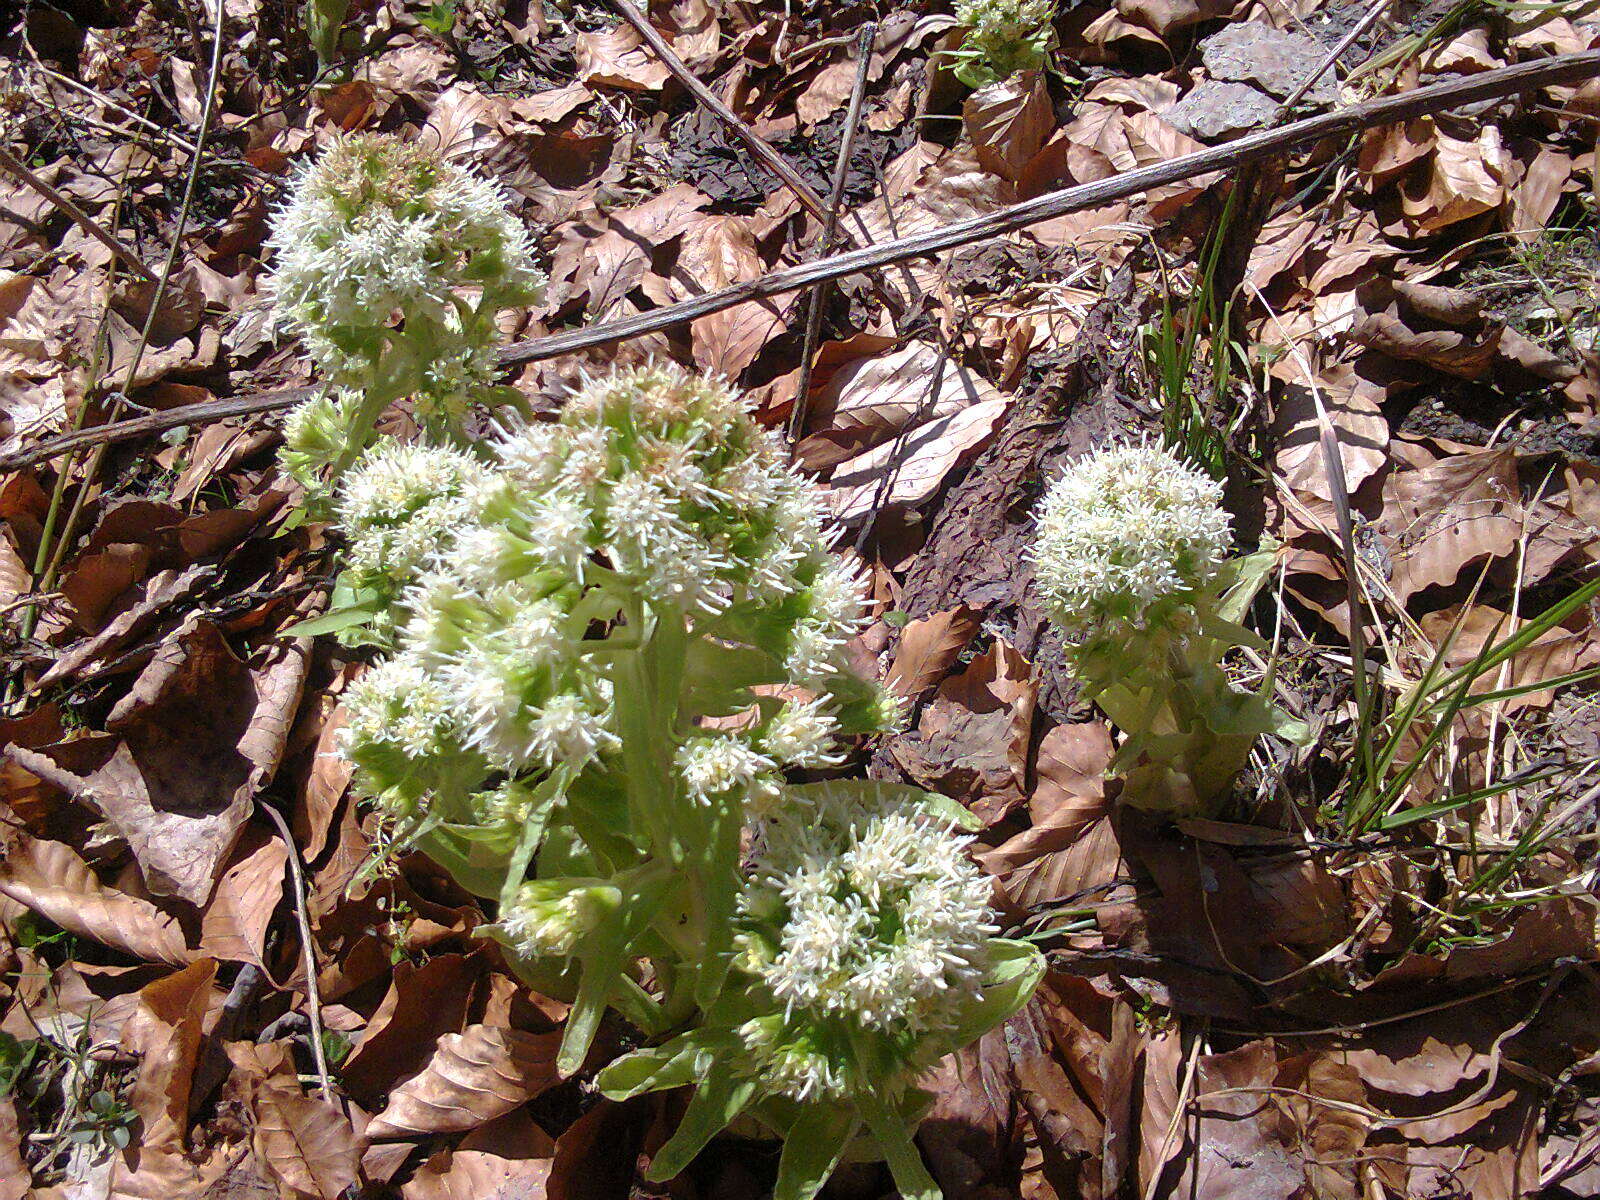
[1306, 996]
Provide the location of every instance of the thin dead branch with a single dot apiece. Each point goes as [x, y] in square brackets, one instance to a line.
[14, 166]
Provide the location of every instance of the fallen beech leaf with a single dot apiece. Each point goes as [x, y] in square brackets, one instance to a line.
[423, 1004]
[54, 882]
[1009, 121]
[718, 251]
[304, 1140]
[1163, 16]
[185, 752]
[1441, 519]
[871, 399]
[597, 1155]
[1321, 1116]
[1071, 847]
[14, 1173]
[915, 467]
[972, 742]
[619, 58]
[234, 925]
[1447, 350]
[1536, 194]
[1553, 653]
[1360, 429]
[1467, 179]
[508, 1159]
[164, 1035]
[1446, 305]
[473, 1077]
[928, 648]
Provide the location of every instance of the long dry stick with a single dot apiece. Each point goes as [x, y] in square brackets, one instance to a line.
[1436, 98]
[830, 230]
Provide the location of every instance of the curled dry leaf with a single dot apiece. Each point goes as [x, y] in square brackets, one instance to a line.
[619, 58]
[1467, 179]
[473, 1077]
[1009, 121]
[906, 471]
[304, 1142]
[234, 925]
[508, 1159]
[1443, 518]
[871, 399]
[972, 743]
[50, 879]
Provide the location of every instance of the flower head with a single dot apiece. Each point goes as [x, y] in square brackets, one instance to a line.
[551, 916]
[402, 504]
[378, 225]
[1125, 528]
[867, 913]
[711, 766]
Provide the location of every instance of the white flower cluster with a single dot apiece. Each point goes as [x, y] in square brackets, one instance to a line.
[378, 226]
[1123, 529]
[401, 503]
[864, 914]
[654, 485]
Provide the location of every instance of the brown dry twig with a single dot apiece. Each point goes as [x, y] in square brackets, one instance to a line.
[1427, 101]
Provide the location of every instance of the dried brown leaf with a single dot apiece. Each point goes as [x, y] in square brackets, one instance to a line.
[306, 1142]
[619, 58]
[233, 926]
[508, 1159]
[972, 742]
[164, 1035]
[54, 882]
[928, 649]
[1443, 518]
[1009, 121]
[870, 399]
[187, 749]
[473, 1077]
[909, 470]
[14, 1173]
[422, 1005]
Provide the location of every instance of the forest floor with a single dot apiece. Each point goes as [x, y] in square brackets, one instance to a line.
[1371, 974]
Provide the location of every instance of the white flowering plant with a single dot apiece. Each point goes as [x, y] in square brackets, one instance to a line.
[1131, 555]
[391, 266]
[608, 640]
[1000, 38]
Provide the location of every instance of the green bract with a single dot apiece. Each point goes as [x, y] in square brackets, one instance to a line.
[1131, 557]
